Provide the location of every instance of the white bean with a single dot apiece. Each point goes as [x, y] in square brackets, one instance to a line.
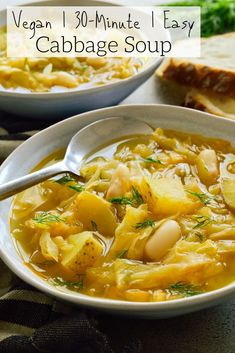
[207, 165]
[64, 79]
[96, 62]
[162, 240]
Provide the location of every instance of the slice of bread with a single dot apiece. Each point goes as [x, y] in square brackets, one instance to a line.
[214, 71]
[211, 103]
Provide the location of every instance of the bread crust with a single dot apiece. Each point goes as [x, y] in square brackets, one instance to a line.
[199, 76]
[207, 87]
[200, 101]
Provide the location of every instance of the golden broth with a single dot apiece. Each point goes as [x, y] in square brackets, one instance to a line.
[150, 219]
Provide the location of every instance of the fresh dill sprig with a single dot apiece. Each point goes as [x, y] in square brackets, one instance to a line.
[68, 179]
[217, 16]
[204, 198]
[65, 179]
[145, 224]
[152, 160]
[202, 221]
[47, 217]
[201, 236]
[137, 197]
[135, 200]
[184, 289]
[58, 281]
[122, 200]
[83, 68]
[77, 188]
[122, 253]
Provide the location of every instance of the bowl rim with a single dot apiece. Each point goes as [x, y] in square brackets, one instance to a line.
[149, 66]
[206, 299]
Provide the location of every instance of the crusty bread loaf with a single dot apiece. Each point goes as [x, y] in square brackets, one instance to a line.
[211, 103]
[214, 71]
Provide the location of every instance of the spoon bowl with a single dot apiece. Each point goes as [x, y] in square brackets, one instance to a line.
[86, 141]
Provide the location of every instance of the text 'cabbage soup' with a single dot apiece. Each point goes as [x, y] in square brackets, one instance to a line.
[61, 74]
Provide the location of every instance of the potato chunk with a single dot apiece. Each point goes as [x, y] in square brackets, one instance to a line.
[126, 232]
[91, 209]
[165, 196]
[84, 253]
[228, 191]
[132, 217]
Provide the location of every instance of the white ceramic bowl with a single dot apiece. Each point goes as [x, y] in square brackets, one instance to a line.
[25, 157]
[69, 102]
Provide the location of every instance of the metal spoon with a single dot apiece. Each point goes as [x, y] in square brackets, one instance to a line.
[86, 141]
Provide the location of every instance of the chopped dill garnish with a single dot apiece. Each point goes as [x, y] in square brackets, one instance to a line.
[65, 179]
[77, 188]
[184, 289]
[61, 282]
[122, 200]
[204, 198]
[136, 196]
[68, 179]
[202, 221]
[94, 226]
[47, 217]
[145, 224]
[122, 253]
[152, 160]
[83, 68]
[135, 200]
[201, 236]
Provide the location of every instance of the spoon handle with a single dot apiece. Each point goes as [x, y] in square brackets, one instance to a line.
[13, 187]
